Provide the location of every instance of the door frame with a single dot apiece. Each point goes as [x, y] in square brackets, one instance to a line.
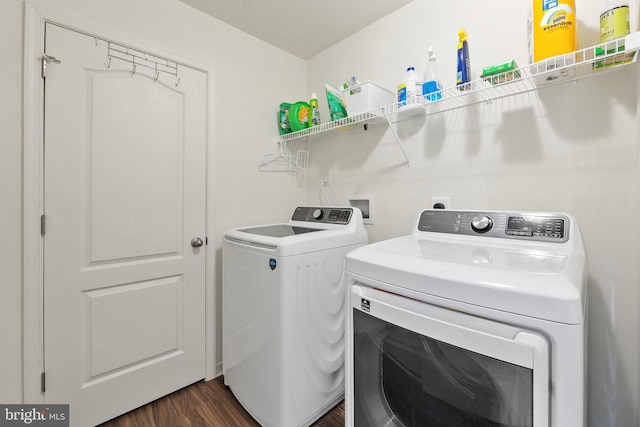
[35, 18]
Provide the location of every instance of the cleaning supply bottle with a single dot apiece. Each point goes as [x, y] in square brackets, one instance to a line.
[464, 63]
[614, 20]
[315, 110]
[409, 88]
[614, 24]
[431, 86]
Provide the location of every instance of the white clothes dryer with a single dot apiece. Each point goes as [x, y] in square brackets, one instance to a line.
[475, 319]
[283, 313]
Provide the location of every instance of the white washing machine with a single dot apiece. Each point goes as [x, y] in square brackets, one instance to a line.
[475, 319]
[283, 313]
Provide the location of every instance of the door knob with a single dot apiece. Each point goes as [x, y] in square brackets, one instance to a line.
[196, 242]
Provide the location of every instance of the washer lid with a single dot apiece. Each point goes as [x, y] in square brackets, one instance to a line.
[310, 229]
[279, 230]
[544, 281]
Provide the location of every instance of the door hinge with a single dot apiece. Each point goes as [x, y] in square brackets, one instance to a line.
[42, 382]
[47, 58]
[43, 225]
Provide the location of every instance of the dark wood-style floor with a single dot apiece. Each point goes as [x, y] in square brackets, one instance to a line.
[203, 404]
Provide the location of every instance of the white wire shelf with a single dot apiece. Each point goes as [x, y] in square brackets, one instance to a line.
[587, 62]
[592, 61]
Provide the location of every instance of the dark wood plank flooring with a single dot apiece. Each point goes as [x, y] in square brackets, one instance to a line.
[203, 404]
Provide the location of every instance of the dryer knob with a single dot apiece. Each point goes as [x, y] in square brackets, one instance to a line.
[481, 223]
[317, 214]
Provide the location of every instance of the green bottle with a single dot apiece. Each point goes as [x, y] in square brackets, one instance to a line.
[315, 111]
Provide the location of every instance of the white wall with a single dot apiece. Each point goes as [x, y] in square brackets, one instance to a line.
[571, 148]
[251, 79]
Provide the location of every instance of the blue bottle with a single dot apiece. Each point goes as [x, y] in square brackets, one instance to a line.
[431, 85]
[464, 64]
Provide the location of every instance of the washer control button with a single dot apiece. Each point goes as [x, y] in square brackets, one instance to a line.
[317, 214]
[481, 223]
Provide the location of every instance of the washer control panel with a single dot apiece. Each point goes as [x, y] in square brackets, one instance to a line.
[511, 225]
[323, 215]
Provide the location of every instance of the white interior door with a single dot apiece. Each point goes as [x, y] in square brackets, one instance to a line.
[124, 303]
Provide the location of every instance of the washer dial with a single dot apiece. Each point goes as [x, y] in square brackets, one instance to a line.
[481, 223]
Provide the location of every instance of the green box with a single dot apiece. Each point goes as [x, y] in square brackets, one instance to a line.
[502, 73]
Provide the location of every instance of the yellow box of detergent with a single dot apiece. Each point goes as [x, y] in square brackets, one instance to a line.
[552, 29]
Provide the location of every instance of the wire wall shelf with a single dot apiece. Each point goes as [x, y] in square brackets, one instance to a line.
[587, 62]
[592, 61]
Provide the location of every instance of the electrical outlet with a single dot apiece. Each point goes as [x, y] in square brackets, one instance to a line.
[326, 179]
[440, 200]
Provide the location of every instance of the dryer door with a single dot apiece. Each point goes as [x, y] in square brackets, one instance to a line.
[413, 363]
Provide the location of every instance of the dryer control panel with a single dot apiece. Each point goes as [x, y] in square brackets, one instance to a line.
[530, 226]
[322, 214]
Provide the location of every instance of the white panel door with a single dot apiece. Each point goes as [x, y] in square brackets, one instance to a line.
[124, 302]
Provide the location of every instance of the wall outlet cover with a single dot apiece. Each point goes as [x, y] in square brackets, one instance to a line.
[364, 202]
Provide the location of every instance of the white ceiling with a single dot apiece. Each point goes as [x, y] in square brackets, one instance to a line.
[301, 27]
